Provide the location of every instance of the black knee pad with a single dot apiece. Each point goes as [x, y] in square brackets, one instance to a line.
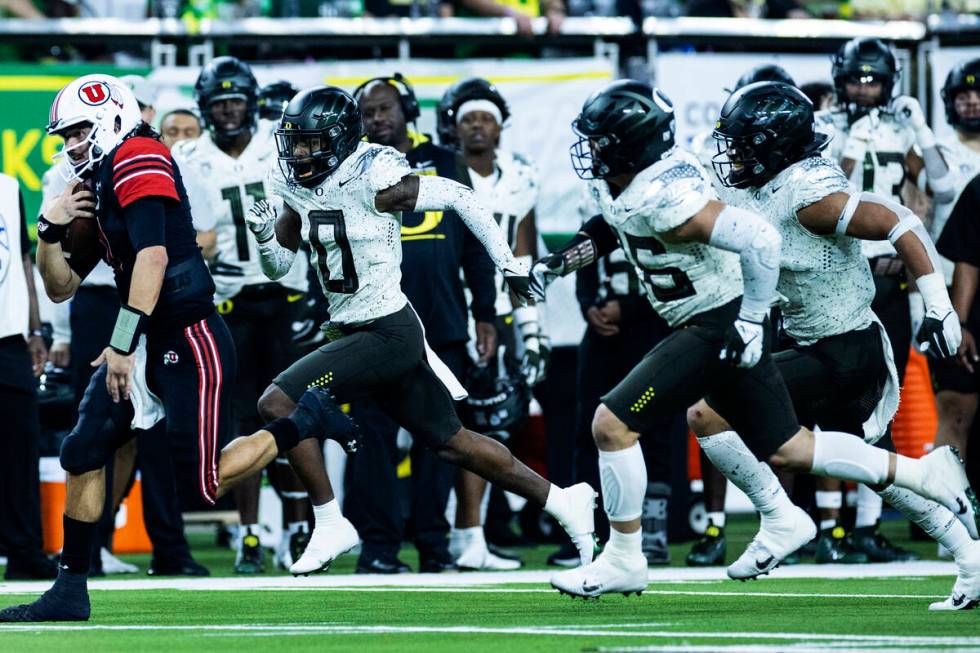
[78, 455]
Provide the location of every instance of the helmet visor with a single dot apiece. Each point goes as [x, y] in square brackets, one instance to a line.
[735, 163]
[306, 157]
[586, 154]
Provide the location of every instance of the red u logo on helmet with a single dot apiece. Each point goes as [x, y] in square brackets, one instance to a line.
[94, 93]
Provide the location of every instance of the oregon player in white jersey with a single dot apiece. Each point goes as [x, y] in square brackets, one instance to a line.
[659, 203]
[838, 368]
[710, 549]
[225, 171]
[883, 143]
[344, 197]
[957, 387]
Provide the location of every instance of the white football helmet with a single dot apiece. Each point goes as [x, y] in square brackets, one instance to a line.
[105, 102]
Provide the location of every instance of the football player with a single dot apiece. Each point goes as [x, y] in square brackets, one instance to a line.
[880, 142]
[507, 183]
[273, 98]
[179, 125]
[439, 255]
[839, 367]
[711, 547]
[344, 197]
[710, 270]
[145, 235]
[956, 396]
[225, 171]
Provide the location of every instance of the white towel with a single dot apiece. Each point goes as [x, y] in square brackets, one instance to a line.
[147, 407]
[887, 406]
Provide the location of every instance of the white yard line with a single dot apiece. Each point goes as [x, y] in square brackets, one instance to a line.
[808, 641]
[487, 579]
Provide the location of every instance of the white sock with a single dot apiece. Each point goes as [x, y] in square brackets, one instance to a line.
[294, 527]
[728, 453]
[717, 519]
[908, 473]
[848, 457]
[327, 515]
[936, 520]
[623, 475]
[829, 499]
[465, 536]
[624, 545]
[868, 507]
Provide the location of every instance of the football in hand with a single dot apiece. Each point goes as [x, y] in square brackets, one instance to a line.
[81, 243]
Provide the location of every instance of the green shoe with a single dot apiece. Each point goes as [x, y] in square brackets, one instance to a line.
[877, 547]
[835, 547]
[709, 551]
[250, 558]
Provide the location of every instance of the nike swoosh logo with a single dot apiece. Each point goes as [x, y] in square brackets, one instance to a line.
[588, 589]
[962, 507]
[959, 600]
[762, 564]
[341, 184]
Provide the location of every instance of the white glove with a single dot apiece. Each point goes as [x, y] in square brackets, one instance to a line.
[261, 221]
[917, 312]
[908, 112]
[743, 343]
[543, 273]
[534, 363]
[940, 334]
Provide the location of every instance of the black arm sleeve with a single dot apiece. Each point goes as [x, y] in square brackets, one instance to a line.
[146, 222]
[601, 234]
[479, 273]
[960, 240]
[25, 240]
[587, 287]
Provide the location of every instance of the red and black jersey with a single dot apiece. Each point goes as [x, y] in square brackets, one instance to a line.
[141, 202]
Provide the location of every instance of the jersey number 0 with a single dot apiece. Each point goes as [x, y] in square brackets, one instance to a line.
[347, 283]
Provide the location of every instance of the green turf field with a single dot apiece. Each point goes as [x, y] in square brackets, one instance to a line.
[479, 612]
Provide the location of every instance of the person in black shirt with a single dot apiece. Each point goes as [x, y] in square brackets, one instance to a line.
[435, 246]
[960, 243]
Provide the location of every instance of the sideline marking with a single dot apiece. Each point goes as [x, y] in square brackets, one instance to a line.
[474, 580]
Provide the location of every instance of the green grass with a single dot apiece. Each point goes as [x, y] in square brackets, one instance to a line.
[768, 615]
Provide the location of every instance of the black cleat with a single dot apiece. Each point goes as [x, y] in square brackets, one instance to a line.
[835, 547]
[379, 566]
[877, 547]
[250, 558]
[437, 565]
[186, 567]
[35, 567]
[567, 556]
[318, 415]
[67, 600]
[709, 551]
[297, 544]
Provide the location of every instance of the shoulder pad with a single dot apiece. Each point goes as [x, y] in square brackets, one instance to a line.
[814, 179]
[138, 146]
[676, 194]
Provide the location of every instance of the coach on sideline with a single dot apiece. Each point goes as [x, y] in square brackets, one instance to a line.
[20, 361]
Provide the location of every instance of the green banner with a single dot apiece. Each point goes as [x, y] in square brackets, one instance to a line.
[26, 93]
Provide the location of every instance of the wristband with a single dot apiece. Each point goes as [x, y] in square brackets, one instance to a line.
[50, 232]
[130, 325]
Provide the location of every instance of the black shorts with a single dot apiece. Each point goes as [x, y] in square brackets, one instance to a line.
[192, 371]
[384, 360]
[260, 320]
[685, 367]
[837, 382]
